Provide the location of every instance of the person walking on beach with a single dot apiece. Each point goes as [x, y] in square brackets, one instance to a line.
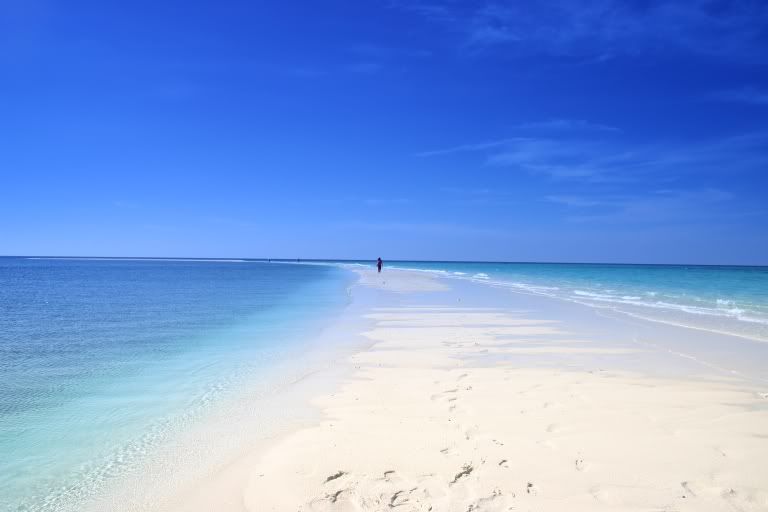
[379, 264]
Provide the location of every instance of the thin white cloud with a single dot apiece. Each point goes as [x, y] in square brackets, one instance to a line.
[436, 10]
[365, 68]
[382, 52]
[368, 201]
[608, 27]
[308, 72]
[532, 134]
[749, 95]
[595, 158]
[467, 191]
[667, 206]
[568, 125]
[384, 201]
[575, 201]
[468, 148]
[429, 228]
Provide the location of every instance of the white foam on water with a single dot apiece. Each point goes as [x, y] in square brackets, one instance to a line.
[634, 303]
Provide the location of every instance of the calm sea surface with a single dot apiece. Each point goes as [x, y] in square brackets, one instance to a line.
[727, 299]
[101, 360]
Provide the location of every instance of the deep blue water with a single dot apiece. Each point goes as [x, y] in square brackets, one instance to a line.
[101, 359]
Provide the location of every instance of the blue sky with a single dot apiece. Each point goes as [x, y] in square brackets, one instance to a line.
[626, 131]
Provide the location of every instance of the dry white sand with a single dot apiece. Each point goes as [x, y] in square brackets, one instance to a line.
[469, 408]
[426, 425]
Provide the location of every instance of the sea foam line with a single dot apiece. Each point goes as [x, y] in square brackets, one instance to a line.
[612, 301]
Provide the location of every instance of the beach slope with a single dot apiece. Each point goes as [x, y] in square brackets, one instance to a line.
[445, 412]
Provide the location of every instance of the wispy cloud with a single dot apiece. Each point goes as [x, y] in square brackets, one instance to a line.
[750, 95]
[383, 52]
[593, 157]
[591, 160]
[464, 148]
[467, 191]
[607, 27]
[436, 10]
[308, 72]
[385, 201]
[363, 59]
[530, 133]
[576, 201]
[367, 201]
[365, 68]
[667, 206]
[568, 125]
[429, 228]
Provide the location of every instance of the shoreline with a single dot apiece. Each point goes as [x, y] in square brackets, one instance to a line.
[388, 305]
[721, 316]
[214, 451]
[422, 424]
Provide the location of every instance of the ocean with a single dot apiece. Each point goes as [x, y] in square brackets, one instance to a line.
[731, 300]
[104, 361]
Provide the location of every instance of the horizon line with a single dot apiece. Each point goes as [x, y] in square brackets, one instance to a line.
[357, 260]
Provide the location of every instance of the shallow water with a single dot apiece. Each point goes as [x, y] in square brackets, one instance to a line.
[104, 360]
[726, 299]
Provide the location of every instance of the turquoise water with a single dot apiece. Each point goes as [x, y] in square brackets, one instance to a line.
[726, 299]
[101, 361]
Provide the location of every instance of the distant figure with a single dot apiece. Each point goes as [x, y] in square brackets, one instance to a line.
[379, 264]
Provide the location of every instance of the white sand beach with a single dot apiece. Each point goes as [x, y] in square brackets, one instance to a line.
[463, 404]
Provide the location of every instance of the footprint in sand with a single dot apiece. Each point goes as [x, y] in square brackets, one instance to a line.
[335, 476]
[688, 491]
[466, 470]
[448, 451]
[443, 394]
[487, 501]
[331, 501]
[470, 433]
[398, 498]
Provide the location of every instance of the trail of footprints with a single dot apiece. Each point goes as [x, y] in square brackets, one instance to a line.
[466, 489]
[424, 493]
[430, 492]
